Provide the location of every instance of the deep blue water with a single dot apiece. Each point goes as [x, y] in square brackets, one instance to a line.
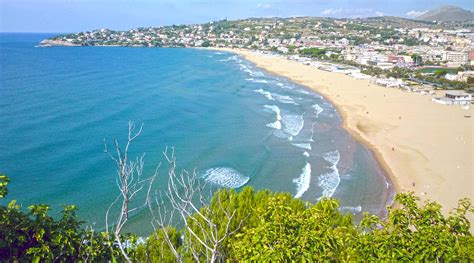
[233, 122]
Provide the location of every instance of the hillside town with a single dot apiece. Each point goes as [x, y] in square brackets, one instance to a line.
[398, 51]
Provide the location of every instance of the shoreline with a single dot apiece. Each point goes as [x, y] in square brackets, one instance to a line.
[390, 176]
[408, 159]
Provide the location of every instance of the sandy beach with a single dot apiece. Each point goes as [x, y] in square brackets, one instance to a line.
[424, 147]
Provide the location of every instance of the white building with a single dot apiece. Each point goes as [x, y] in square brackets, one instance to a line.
[454, 98]
[390, 82]
[456, 58]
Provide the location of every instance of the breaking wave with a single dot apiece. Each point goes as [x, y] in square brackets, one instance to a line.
[242, 66]
[265, 93]
[302, 182]
[276, 110]
[259, 81]
[330, 181]
[293, 124]
[226, 177]
[302, 91]
[317, 109]
[306, 146]
[232, 58]
[284, 99]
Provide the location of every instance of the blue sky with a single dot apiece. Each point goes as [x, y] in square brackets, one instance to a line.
[80, 15]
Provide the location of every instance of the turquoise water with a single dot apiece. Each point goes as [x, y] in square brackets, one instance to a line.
[234, 123]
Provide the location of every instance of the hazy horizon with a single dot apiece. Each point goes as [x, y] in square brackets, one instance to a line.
[55, 16]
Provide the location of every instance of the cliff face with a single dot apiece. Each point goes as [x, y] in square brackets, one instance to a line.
[51, 42]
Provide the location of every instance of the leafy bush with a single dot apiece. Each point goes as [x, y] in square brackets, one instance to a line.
[265, 227]
[35, 235]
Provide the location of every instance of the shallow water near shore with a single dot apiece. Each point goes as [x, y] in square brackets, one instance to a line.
[235, 123]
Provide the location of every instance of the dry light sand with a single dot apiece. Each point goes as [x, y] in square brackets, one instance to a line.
[425, 147]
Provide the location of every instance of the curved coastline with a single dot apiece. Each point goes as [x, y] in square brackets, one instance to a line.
[398, 130]
[387, 171]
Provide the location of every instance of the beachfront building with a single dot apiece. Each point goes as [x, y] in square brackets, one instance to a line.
[456, 59]
[390, 82]
[454, 98]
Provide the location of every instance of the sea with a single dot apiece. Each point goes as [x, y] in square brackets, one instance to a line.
[231, 122]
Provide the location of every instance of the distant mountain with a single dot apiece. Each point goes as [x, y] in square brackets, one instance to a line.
[447, 13]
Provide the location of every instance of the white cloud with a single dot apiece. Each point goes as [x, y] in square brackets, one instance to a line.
[414, 13]
[264, 5]
[352, 13]
[331, 11]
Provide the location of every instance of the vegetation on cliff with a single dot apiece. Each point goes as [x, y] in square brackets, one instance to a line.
[264, 226]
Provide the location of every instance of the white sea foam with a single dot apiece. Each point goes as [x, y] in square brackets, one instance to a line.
[233, 58]
[302, 182]
[284, 99]
[306, 146]
[293, 124]
[317, 109]
[258, 74]
[283, 86]
[280, 134]
[307, 133]
[306, 154]
[275, 125]
[254, 73]
[302, 91]
[259, 80]
[276, 110]
[330, 181]
[226, 177]
[352, 209]
[218, 53]
[265, 93]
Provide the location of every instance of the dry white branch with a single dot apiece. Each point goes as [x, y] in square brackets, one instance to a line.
[201, 235]
[129, 182]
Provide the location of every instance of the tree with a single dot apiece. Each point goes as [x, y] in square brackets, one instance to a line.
[204, 230]
[313, 52]
[417, 59]
[206, 43]
[3, 185]
[34, 235]
[129, 183]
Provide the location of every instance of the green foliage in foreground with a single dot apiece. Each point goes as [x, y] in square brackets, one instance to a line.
[35, 235]
[269, 227]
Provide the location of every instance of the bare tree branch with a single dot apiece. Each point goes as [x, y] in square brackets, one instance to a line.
[201, 236]
[129, 182]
